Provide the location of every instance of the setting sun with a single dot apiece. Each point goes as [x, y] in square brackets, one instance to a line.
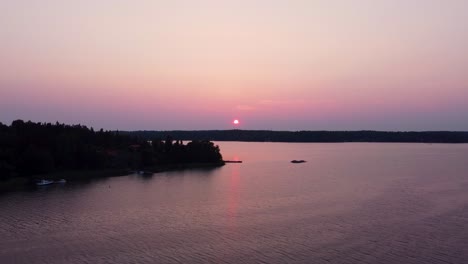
[235, 122]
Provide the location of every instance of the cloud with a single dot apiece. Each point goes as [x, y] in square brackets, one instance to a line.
[245, 107]
[268, 104]
[281, 102]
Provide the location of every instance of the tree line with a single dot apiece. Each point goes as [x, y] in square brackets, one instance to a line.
[28, 149]
[311, 136]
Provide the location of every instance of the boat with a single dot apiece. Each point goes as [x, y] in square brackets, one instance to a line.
[233, 161]
[298, 161]
[61, 181]
[44, 182]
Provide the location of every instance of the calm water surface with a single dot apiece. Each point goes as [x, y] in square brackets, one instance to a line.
[350, 203]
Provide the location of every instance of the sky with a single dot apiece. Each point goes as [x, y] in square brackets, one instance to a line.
[200, 64]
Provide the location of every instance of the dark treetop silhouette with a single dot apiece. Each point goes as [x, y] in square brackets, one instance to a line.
[29, 149]
[310, 136]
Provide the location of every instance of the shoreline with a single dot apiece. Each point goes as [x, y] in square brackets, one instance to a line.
[22, 183]
[309, 136]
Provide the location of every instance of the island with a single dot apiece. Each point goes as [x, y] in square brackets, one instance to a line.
[31, 151]
[298, 161]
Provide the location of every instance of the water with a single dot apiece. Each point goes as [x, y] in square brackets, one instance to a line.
[350, 203]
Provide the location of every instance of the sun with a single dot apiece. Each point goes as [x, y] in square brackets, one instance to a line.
[235, 122]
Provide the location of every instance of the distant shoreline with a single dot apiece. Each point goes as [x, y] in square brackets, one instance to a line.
[365, 136]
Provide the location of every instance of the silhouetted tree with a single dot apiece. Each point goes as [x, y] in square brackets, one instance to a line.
[36, 161]
[28, 149]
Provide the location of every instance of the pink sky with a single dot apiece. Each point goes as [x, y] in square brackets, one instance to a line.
[282, 65]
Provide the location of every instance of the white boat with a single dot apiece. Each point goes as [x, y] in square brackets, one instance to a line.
[44, 182]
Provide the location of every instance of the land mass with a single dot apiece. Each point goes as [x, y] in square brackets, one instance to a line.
[30, 151]
[308, 136]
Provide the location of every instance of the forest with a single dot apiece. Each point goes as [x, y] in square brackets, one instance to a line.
[29, 149]
[310, 136]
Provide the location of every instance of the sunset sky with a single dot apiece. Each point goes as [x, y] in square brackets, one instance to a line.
[200, 64]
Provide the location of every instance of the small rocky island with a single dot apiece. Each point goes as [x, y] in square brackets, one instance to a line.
[298, 161]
